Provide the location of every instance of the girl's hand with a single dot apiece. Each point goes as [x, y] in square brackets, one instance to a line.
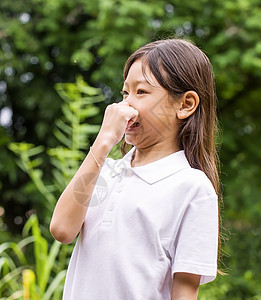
[117, 118]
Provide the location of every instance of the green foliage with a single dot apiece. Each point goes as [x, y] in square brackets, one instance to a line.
[73, 133]
[30, 165]
[45, 280]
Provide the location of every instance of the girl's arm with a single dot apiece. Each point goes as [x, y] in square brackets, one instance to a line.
[71, 208]
[185, 286]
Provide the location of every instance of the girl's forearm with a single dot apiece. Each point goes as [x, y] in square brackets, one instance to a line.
[71, 208]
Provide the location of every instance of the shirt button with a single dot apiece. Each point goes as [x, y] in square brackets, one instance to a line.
[111, 208]
[128, 173]
[118, 189]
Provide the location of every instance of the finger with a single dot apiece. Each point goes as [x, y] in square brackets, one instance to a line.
[133, 113]
[133, 118]
[124, 102]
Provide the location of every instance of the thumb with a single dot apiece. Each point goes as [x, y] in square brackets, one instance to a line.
[133, 118]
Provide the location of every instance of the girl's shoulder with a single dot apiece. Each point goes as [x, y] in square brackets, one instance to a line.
[198, 182]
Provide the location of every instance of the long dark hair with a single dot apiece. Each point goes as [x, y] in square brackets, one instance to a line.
[179, 66]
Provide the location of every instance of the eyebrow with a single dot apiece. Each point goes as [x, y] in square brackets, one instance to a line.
[136, 82]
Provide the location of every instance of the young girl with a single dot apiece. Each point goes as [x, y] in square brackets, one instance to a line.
[148, 222]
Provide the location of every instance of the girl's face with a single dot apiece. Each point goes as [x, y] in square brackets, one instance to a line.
[157, 119]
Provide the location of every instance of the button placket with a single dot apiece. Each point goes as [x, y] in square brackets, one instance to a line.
[110, 211]
[108, 215]
[118, 188]
[112, 206]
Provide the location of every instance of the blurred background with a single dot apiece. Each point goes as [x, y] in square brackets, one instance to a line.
[61, 64]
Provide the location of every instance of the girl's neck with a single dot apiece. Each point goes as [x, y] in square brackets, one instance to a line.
[143, 156]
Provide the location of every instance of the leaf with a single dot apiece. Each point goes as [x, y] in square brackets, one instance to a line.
[50, 263]
[4, 265]
[11, 262]
[90, 129]
[29, 284]
[35, 151]
[10, 278]
[24, 242]
[93, 99]
[36, 162]
[56, 282]
[17, 250]
[68, 113]
[88, 112]
[85, 88]
[64, 127]
[62, 138]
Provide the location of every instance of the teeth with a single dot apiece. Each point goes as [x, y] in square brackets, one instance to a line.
[136, 124]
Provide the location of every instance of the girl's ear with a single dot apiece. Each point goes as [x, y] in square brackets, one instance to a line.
[188, 104]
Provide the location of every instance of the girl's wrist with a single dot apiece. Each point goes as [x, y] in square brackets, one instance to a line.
[104, 144]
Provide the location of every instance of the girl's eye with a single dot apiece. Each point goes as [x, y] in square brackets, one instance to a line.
[124, 93]
[141, 92]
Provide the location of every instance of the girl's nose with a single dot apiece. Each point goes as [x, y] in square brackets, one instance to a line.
[129, 103]
[129, 100]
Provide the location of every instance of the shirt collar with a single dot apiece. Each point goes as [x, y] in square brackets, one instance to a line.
[154, 171]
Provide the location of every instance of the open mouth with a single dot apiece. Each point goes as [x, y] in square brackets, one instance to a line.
[136, 124]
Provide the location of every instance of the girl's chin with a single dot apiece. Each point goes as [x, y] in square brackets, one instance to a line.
[130, 139]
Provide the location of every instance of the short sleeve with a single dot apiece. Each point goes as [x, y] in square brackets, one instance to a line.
[197, 240]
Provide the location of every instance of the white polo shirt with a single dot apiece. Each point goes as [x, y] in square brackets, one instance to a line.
[144, 224]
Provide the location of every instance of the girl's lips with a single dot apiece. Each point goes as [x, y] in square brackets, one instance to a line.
[133, 127]
[135, 124]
